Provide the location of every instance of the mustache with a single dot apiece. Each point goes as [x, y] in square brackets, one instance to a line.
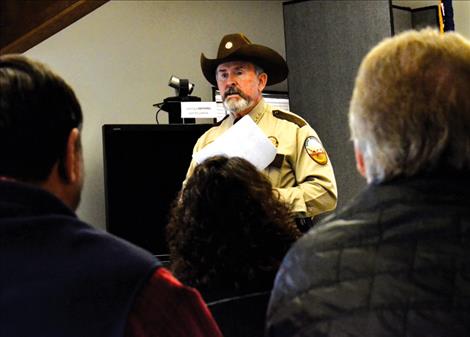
[233, 91]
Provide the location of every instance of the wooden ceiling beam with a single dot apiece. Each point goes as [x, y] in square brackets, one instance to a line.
[51, 20]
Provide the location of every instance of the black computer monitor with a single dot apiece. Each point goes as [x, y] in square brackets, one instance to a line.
[144, 167]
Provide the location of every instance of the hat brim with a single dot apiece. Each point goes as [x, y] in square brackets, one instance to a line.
[272, 63]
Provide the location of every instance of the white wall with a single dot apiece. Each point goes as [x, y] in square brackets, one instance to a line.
[119, 58]
[461, 12]
[462, 17]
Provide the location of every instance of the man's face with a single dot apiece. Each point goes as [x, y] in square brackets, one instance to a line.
[240, 86]
[77, 170]
[80, 181]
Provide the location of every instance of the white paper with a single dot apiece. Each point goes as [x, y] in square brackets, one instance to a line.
[200, 110]
[244, 139]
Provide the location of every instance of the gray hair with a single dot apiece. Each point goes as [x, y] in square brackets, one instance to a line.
[410, 109]
[258, 69]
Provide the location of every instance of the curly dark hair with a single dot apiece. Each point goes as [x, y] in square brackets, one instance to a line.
[228, 228]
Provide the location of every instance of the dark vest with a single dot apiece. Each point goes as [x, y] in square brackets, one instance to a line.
[59, 276]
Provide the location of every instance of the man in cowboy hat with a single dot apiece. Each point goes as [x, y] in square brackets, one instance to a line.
[301, 170]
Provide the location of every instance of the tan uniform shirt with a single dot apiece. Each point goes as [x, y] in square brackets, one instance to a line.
[305, 181]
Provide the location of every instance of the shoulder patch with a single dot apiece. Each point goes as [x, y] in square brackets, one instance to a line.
[289, 117]
[315, 150]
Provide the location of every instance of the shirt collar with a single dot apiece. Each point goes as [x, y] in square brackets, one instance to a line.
[256, 113]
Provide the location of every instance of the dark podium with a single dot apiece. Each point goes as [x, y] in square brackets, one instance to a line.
[144, 167]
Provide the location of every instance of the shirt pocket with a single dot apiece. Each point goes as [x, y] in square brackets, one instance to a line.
[273, 171]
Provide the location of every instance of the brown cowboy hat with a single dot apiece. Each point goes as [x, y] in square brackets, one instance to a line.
[237, 47]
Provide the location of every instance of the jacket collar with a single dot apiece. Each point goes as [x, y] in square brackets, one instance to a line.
[22, 199]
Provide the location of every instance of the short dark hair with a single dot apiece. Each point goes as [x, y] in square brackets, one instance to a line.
[37, 112]
[228, 227]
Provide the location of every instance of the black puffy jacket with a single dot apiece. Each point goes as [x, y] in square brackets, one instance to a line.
[395, 262]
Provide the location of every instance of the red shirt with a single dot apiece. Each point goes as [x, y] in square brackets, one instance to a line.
[165, 307]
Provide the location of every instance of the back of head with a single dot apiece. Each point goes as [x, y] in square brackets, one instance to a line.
[410, 109]
[37, 112]
[229, 229]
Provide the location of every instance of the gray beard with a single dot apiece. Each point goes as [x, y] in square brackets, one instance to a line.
[235, 106]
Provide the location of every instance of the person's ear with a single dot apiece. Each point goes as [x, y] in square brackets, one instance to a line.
[262, 80]
[73, 157]
[360, 164]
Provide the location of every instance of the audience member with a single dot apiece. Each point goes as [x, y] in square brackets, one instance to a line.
[227, 235]
[394, 262]
[59, 276]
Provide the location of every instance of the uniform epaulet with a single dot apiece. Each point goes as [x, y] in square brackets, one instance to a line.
[220, 122]
[289, 117]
